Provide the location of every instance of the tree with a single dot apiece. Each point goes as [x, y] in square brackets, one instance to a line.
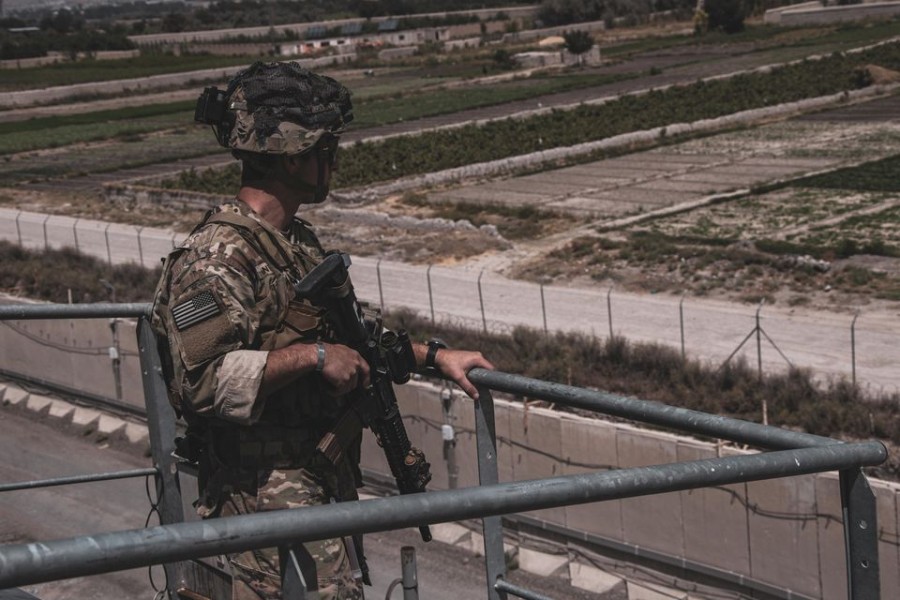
[62, 21]
[504, 60]
[578, 42]
[728, 15]
[174, 22]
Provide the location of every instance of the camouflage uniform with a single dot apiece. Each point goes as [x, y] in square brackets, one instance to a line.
[225, 299]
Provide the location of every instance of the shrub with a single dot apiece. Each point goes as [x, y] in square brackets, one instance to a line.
[50, 275]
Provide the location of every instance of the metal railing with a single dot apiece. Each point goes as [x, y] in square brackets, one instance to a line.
[791, 453]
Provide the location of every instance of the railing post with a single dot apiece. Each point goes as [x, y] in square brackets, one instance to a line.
[488, 473]
[681, 323]
[860, 536]
[410, 573]
[161, 427]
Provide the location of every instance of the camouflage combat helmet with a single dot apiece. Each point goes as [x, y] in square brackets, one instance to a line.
[275, 108]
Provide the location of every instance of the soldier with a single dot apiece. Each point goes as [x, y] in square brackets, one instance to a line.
[253, 370]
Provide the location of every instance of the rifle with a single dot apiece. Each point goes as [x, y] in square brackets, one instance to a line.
[391, 360]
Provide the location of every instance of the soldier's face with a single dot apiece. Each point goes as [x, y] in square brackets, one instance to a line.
[303, 175]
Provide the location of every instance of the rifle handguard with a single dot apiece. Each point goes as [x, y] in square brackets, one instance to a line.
[418, 470]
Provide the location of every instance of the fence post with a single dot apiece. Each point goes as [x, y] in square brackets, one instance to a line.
[140, 248]
[19, 229]
[430, 296]
[853, 348]
[609, 311]
[481, 302]
[681, 323]
[75, 233]
[765, 402]
[108, 251]
[46, 240]
[380, 289]
[759, 341]
[544, 309]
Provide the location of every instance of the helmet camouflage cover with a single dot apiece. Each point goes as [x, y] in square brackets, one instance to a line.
[282, 108]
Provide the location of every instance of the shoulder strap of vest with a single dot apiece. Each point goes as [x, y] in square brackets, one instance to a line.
[257, 235]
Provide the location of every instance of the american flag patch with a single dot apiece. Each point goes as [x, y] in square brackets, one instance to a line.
[195, 310]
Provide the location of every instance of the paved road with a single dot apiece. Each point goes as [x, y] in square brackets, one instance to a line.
[34, 450]
[31, 451]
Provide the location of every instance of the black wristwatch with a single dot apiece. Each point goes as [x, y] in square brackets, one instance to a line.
[434, 345]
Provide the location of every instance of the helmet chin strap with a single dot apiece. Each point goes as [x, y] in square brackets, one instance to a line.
[321, 184]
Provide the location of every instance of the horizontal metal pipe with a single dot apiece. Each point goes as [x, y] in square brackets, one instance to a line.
[656, 413]
[74, 311]
[25, 564]
[504, 586]
[73, 479]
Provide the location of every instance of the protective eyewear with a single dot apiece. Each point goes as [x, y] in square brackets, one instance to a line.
[327, 148]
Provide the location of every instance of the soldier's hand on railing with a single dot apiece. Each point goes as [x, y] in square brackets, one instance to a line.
[455, 364]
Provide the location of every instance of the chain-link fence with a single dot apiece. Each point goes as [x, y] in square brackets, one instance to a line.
[858, 345]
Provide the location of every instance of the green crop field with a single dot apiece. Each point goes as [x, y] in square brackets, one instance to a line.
[89, 71]
[53, 132]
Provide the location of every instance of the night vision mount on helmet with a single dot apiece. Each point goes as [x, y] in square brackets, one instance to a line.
[275, 108]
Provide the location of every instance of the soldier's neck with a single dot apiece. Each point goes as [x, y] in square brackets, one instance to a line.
[277, 210]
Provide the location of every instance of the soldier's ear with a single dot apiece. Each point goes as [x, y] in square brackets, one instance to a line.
[293, 163]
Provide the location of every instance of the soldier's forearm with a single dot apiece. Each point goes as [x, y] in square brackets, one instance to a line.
[286, 365]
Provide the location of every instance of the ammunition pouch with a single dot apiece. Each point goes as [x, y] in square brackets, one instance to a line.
[262, 447]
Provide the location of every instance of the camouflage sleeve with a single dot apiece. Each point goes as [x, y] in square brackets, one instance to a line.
[214, 325]
[239, 379]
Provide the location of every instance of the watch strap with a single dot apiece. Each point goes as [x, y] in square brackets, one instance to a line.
[431, 355]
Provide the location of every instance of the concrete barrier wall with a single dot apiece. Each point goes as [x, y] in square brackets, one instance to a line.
[839, 14]
[115, 243]
[57, 57]
[76, 355]
[773, 15]
[156, 39]
[785, 532]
